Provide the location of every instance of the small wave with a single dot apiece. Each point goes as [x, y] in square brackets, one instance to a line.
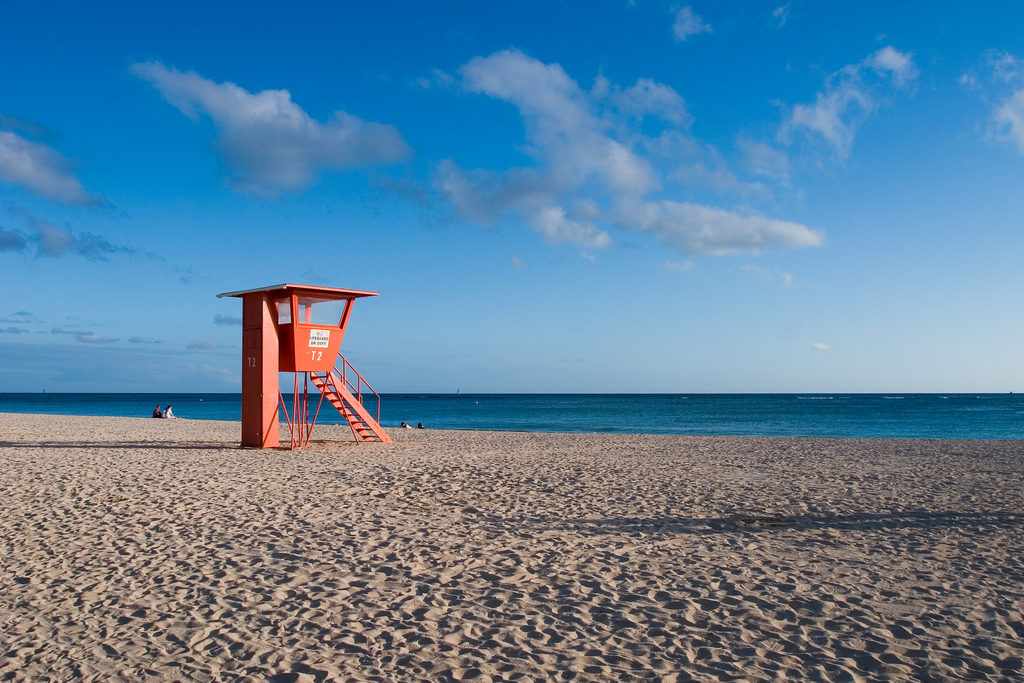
[893, 398]
[815, 398]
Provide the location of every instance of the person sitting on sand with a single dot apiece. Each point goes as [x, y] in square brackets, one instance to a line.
[157, 412]
[406, 426]
[167, 413]
[420, 426]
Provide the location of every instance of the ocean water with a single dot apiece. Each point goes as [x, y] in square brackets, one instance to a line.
[934, 416]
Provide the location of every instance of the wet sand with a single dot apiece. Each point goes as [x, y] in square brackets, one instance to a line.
[138, 548]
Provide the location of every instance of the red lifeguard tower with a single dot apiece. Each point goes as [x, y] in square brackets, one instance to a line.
[279, 335]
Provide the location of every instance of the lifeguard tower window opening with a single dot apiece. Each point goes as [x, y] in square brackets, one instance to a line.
[323, 313]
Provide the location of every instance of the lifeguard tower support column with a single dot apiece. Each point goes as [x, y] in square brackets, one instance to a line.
[278, 335]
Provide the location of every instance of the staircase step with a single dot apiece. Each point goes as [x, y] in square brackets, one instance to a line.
[349, 407]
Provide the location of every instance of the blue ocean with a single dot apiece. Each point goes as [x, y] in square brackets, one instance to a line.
[919, 416]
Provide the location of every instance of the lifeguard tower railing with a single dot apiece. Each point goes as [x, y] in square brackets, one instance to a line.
[346, 390]
[348, 372]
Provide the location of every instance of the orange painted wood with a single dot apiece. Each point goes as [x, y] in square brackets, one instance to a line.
[259, 371]
[270, 347]
[308, 348]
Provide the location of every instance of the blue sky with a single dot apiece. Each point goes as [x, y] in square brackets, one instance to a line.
[573, 196]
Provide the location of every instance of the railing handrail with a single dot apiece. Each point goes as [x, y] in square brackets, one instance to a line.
[360, 382]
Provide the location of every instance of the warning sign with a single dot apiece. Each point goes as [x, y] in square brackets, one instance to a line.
[318, 339]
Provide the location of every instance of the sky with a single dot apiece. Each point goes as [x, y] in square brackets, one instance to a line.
[595, 196]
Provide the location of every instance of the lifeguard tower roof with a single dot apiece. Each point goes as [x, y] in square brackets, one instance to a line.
[308, 294]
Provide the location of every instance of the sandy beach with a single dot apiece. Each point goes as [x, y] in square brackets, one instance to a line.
[140, 548]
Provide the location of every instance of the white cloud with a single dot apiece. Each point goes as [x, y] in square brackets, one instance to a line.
[40, 169]
[470, 192]
[720, 179]
[556, 227]
[482, 196]
[1003, 82]
[687, 24]
[898, 65]
[21, 317]
[1009, 114]
[53, 241]
[764, 160]
[204, 345]
[12, 240]
[269, 143]
[594, 168]
[968, 79]
[706, 230]
[94, 339]
[543, 92]
[1010, 119]
[670, 145]
[769, 275]
[437, 79]
[848, 98]
[559, 120]
[828, 115]
[821, 346]
[782, 14]
[1005, 67]
[679, 266]
[229, 320]
[85, 337]
[647, 97]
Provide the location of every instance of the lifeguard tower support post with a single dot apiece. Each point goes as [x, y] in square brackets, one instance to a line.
[279, 335]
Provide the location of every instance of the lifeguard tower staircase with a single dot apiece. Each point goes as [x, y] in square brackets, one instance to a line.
[279, 335]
